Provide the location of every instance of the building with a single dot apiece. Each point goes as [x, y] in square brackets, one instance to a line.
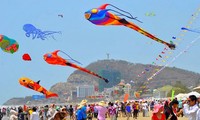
[113, 76]
[85, 90]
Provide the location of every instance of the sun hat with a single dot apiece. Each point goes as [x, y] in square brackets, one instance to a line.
[102, 103]
[157, 107]
[80, 106]
[83, 102]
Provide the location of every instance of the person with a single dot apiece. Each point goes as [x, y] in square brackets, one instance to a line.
[35, 114]
[135, 109]
[128, 111]
[144, 109]
[13, 115]
[112, 112]
[71, 111]
[51, 111]
[102, 110]
[95, 111]
[79, 115]
[180, 107]
[21, 115]
[190, 108]
[158, 112]
[84, 109]
[198, 111]
[89, 112]
[171, 113]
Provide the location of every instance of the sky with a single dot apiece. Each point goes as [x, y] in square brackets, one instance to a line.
[87, 42]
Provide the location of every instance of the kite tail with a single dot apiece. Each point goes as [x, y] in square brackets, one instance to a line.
[140, 30]
[50, 94]
[87, 71]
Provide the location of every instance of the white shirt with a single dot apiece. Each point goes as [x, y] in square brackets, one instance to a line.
[35, 116]
[190, 111]
[198, 115]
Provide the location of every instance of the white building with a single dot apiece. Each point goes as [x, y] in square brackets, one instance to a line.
[85, 90]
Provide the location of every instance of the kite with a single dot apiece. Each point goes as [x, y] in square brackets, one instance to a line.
[136, 94]
[178, 55]
[28, 83]
[54, 59]
[37, 33]
[38, 97]
[26, 57]
[103, 16]
[8, 45]
[60, 15]
[150, 14]
[126, 96]
[192, 30]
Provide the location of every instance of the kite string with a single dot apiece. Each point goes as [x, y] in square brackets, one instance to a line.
[181, 34]
[70, 57]
[131, 17]
[178, 55]
[190, 21]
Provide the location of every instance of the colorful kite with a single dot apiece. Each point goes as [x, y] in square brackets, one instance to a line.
[54, 59]
[103, 16]
[37, 33]
[28, 83]
[8, 45]
[26, 57]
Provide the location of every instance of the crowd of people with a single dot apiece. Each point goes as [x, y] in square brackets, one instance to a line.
[161, 110]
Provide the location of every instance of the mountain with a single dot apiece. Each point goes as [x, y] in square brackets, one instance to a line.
[117, 70]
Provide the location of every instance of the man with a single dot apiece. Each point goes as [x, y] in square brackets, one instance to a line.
[84, 109]
[190, 109]
[35, 114]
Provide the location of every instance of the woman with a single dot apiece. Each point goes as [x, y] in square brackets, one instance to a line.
[171, 113]
[102, 110]
[158, 112]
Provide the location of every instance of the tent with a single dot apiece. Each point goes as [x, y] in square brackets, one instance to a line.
[196, 88]
[181, 96]
[193, 93]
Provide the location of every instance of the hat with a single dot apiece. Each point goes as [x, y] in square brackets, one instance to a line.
[13, 112]
[80, 106]
[102, 103]
[57, 108]
[157, 107]
[83, 102]
[116, 101]
[52, 105]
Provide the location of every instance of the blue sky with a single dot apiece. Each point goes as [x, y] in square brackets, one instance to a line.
[86, 42]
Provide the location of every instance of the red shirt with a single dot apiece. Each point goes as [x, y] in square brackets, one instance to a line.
[154, 117]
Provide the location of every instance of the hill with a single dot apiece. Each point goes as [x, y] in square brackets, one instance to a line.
[116, 70]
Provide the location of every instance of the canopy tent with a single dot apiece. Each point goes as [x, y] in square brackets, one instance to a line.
[196, 88]
[181, 96]
[193, 93]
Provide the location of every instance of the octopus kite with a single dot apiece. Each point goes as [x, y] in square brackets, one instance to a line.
[28, 83]
[37, 33]
[8, 45]
[103, 16]
[54, 59]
